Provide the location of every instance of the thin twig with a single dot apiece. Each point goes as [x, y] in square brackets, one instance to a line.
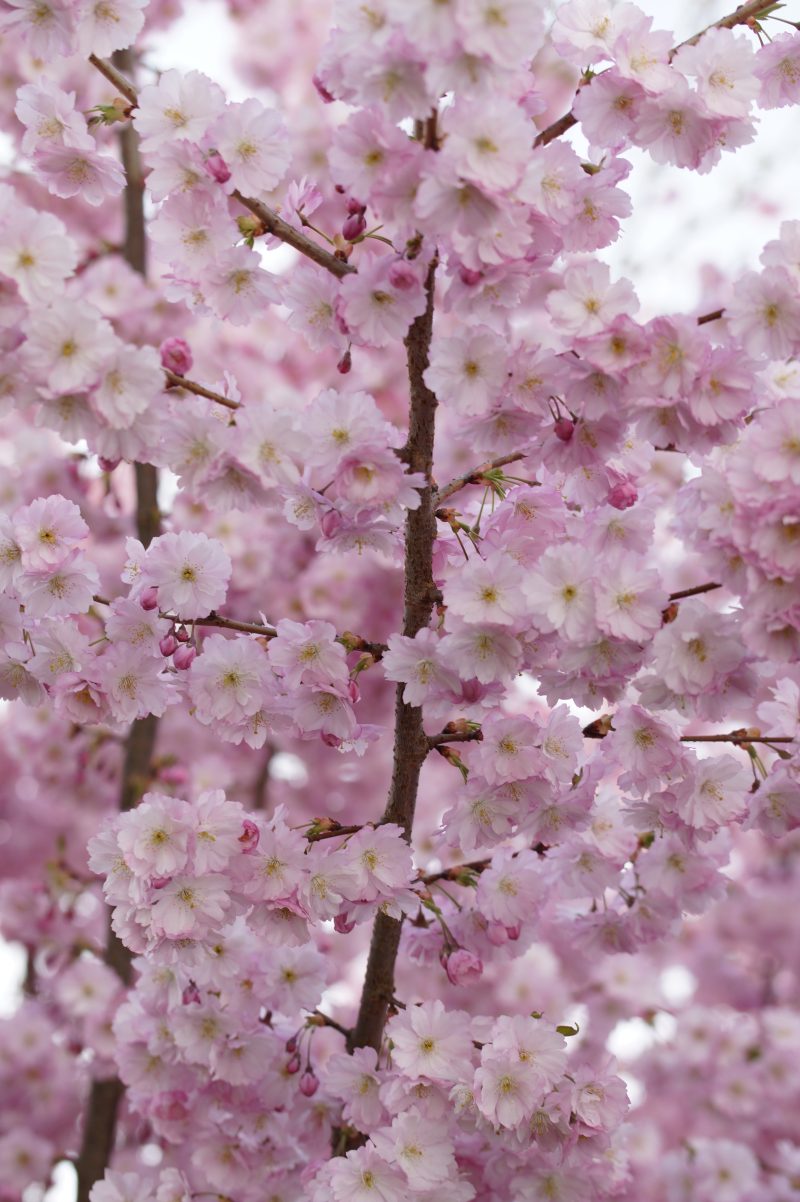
[737, 738]
[740, 17]
[272, 223]
[694, 592]
[475, 475]
[176, 381]
[116, 78]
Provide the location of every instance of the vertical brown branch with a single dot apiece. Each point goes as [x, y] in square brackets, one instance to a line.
[105, 1095]
[410, 742]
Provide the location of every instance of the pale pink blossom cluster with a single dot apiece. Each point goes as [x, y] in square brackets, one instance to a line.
[576, 840]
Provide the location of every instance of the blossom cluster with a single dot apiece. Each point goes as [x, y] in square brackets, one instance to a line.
[560, 669]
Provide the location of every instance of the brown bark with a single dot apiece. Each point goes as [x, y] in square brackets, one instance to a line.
[410, 741]
[105, 1095]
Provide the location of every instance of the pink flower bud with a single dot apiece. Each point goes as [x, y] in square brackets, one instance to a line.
[497, 934]
[181, 634]
[354, 227]
[191, 994]
[250, 836]
[291, 1044]
[563, 428]
[353, 691]
[402, 277]
[184, 657]
[344, 364]
[167, 645]
[107, 465]
[462, 967]
[176, 355]
[149, 599]
[343, 925]
[293, 1065]
[355, 206]
[330, 522]
[514, 932]
[323, 93]
[309, 1084]
[623, 495]
[216, 167]
[469, 277]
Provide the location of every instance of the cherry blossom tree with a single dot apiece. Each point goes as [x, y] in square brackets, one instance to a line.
[400, 637]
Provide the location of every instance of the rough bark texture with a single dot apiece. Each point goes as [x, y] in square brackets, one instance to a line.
[105, 1095]
[410, 742]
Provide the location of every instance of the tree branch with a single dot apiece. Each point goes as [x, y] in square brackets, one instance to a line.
[694, 592]
[272, 223]
[740, 17]
[176, 381]
[410, 741]
[475, 476]
[116, 78]
[105, 1095]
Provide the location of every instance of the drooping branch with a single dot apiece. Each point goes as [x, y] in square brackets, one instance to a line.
[741, 16]
[410, 741]
[105, 1095]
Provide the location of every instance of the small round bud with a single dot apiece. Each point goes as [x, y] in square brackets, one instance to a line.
[623, 495]
[168, 645]
[176, 355]
[309, 1084]
[354, 227]
[149, 599]
[563, 429]
[184, 657]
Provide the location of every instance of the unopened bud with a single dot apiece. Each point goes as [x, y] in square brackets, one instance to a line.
[184, 657]
[563, 428]
[330, 523]
[176, 355]
[469, 277]
[149, 599]
[344, 364]
[309, 1084]
[107, 465]
[354, 227]
[623, 495]
[293, 1065]
[168, 645]
[216, 167]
